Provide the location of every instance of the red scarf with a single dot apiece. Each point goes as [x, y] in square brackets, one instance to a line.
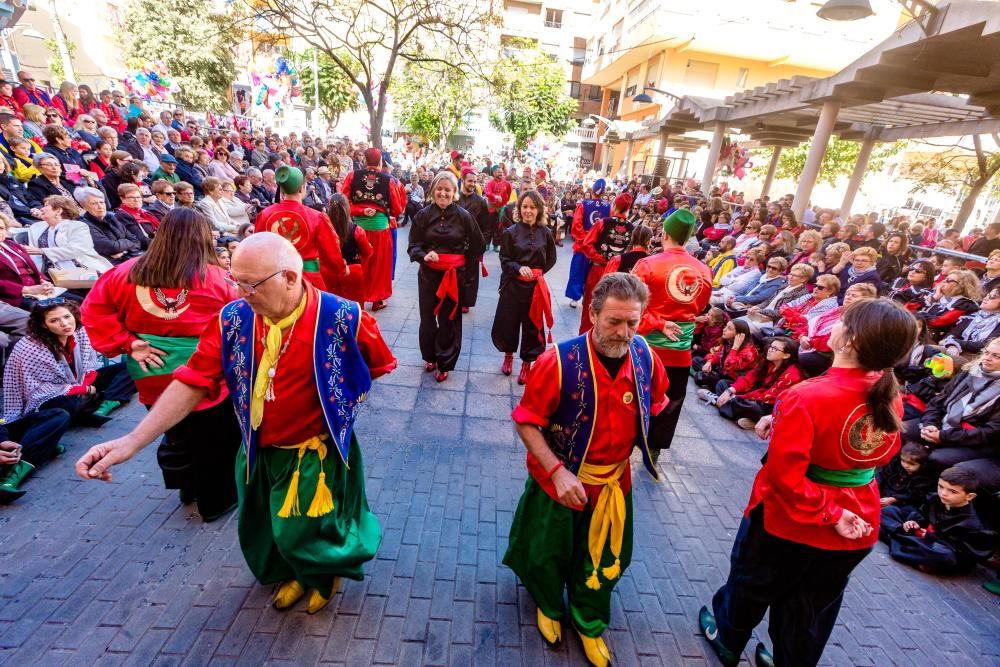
[540, 311]
[142, 215]
[449, 283]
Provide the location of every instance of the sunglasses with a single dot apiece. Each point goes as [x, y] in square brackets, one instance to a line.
[29, 80]
[774, 266]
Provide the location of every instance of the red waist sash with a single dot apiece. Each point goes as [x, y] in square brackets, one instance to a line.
[541, 303]
[448, 263]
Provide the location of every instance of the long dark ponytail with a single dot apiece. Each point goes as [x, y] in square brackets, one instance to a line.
[881, 332]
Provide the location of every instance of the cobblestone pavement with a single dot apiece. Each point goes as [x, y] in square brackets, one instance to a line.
[122, 574]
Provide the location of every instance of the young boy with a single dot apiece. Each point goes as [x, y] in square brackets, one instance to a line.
[905, 482]
[945, 536]
[24, 167]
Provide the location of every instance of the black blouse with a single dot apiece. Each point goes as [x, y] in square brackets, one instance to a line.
[526, 245]
[451, 231]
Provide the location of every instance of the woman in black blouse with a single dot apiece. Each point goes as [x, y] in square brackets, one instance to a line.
[444, 239]
[527, 252]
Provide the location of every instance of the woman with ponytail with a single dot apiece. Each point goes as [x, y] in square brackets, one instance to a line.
[813, 514]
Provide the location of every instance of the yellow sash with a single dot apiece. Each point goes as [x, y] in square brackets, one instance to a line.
[322, 502]
[609, 516]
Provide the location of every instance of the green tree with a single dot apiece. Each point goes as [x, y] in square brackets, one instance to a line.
[434, 117]
[956, 169]
[194, 42]
[839, 160]
[336, 91]
[530, 96]
[55, 62]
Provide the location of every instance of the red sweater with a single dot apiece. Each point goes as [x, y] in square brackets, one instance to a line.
[734, 363]
[759, 385]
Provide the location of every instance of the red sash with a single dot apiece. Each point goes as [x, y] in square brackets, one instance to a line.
[449, 283]
[541, 303]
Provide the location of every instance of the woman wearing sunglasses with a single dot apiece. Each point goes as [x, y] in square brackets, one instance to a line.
[153, 309]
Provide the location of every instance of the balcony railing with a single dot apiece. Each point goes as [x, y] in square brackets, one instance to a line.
[583, 134]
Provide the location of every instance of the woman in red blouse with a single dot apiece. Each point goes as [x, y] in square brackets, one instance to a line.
[813, 514]
[733, 356]
[753, 395]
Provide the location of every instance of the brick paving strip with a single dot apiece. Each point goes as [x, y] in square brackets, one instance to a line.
[122, 574]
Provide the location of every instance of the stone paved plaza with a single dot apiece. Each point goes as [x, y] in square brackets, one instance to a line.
[122, 574]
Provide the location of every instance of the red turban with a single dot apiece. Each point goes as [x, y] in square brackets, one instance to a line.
[623, 202]
[373, 157]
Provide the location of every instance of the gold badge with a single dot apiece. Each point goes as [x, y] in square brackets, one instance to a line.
[627, 398]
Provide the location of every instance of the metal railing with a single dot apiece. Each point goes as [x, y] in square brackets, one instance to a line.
[947, 252]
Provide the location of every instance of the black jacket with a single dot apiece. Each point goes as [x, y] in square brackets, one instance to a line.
[112, 237]
[139, 231]
[16, 197]
[985, 427]
[40, 187]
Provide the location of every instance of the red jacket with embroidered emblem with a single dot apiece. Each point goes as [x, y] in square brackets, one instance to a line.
[679, 289]
[312, 234]
[759, 385]
[734, 362]
[825, 422]
[616, 424]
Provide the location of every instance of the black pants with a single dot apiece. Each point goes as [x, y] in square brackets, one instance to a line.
[512, 327]
[470, 286]
[113, 383]
[489, 225]
[802, 585]
[663, 425]
[199, 454]
[412, 208]
[440, 335]
[737, 408]
[38, 433]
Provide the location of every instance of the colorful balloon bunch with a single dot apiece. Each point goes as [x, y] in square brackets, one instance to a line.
[734, 160]
[151, 82]
[274, 89]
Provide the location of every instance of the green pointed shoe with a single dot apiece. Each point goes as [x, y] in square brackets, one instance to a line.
[710, 631]
[993, 586]
[762, 657]
[106, 408]
[9, 485]
[60, 449]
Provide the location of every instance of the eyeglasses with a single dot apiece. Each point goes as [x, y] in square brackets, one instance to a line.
[52, 115]
[250, 288]
[171, 193]
[774, 266]
[776, 348]
[29, 80]
[917, 271]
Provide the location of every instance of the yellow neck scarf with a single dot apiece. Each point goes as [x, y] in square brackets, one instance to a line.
[268, 360]
[608, 517]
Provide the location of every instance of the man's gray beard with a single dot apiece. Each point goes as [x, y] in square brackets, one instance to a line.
[608, 349]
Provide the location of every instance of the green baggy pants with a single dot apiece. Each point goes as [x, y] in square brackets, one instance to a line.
[548, 552]
[312, 550]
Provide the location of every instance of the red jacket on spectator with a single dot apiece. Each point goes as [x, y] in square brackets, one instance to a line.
[12, 104]
[115, 119]
[734, 362]
[759, 385]
[36, 96]
[69, 113]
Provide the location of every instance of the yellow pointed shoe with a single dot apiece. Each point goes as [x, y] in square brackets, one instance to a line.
[288, 594]
[550, 629]
[317, 601]
[596, 651]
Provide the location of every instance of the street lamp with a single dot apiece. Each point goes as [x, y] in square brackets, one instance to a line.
[643, 98]
[922, 11]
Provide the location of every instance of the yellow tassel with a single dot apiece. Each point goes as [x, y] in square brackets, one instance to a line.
[593, 583]
[322, 502]
[291, 505]
[614, 571]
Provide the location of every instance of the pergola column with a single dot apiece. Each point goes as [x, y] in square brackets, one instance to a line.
[771, 168]
[807, 179]
[627, 164]
[857, 177]
[664, 136]
[713, 158]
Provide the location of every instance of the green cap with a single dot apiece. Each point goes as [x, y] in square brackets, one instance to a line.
[680, 225]
[289, 179]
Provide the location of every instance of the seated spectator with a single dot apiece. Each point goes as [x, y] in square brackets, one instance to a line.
[26, 443]
[740, 279]
[769, 284]
[895, 254]
[831, 257]
[923, 374]
[7, 99]
[101, 162]
[202, 158]
[21, 284]
[62, 240]
[815, 355]
[140, 222]
[185, 194]
[131, 172]
[991, 277]
[86, 129]
[971, 332]
[953, 297]
[67, 102]
[809, 242]
[789, 223]
[906, 481]
[34, 123]
[735, 354]
[74, 168]
[167, 171]
[708, 331]
[723, 262]
[222, 254]
[749, 238]
[783, 245]
[165, 197]
[239, 213]
[913, 289]
[112, 240]
[244, 193]
[14, 198]
[11, 128]
[719, 229]
[48, 182]
[795, 293]
[211, 206]
[753, 395]
[219, 165]
[186, 168]
[22, 166]
[795, 317]
[962, 424]
[989, 243]
[857, 266]
[946, 265]
[54, 367]
[943, 536]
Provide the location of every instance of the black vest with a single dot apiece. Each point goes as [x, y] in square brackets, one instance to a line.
[371, 188]
[615, 237]
[349, 247]
[630, 259]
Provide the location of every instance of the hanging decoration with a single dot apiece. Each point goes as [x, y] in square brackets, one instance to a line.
[151, 83]
[272, 90]
[734, 160]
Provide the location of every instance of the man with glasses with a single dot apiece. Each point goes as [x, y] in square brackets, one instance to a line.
[165, 197]
[28, 93]
[185, 194]
[303, 519]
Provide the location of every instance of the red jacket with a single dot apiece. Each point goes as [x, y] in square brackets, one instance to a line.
[758, 385]
[734, 363]
[69, 113]
[497, 193]
[825, 422]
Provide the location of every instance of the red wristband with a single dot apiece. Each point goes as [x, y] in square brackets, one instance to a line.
[549, 474]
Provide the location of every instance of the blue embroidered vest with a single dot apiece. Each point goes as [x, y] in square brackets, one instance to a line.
[571, 428]
[594, 210]
[342, 376]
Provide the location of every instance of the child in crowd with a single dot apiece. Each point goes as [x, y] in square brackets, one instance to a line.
[224, 257]
[733, 356]
[905, 482]
[944, 536]
[753, 395]
[708, 330]
[24, 168]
